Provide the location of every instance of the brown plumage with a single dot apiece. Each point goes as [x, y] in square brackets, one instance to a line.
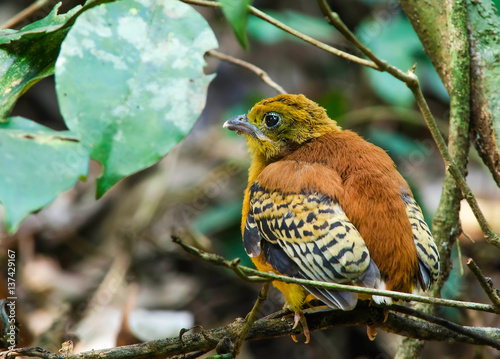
[324, 204]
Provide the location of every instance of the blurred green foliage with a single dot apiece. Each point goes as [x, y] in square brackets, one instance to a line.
[395, 41]
[236, 12]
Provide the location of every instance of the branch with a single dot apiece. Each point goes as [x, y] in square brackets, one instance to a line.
[268, 328]
[484, 29]
[34, 352]
[486, 284]
[431, 26]
[250, 274]
[479, 337]
[256, 12]
[251, 318]
[257, 70]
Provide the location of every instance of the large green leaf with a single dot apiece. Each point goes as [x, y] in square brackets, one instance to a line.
[130, 81]
[36, 165]
[236, 11]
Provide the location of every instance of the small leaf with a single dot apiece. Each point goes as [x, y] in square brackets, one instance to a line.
[50, 23]
[236, 11]
[130, 81]
[36, 165]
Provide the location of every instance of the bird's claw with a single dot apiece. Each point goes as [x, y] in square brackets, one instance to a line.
[371, 332]
[300, 318]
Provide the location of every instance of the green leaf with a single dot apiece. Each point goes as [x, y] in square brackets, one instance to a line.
[130, 81]
[310, 25]
[50, 23]
[236, 11]
[396, 42]
[497, 5]
[36, 165]
[28, 55]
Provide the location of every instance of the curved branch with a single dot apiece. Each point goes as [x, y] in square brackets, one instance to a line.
[486, 284]
[479, 337]
[257, 70]
[251, 318]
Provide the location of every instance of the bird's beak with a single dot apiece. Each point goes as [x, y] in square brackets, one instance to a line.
[241, 125]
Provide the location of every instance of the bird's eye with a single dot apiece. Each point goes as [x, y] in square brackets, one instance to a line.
[272, 119]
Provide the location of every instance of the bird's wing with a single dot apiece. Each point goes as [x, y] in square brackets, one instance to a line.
[428, 255]
[308, 235]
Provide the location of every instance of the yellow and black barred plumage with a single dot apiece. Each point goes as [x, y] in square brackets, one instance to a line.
[309, 236]
[428, 256]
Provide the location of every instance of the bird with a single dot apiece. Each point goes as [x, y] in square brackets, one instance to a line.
[324, 204]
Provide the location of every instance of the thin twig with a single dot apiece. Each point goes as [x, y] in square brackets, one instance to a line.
[257, 70]
[334, 19]
[470, 332]
[486, 284]
[256, 12]
[252, 273]
[459, 252]
[468, 236]
[251, 318]
[451, 166]
[24, 14]
[411, 80]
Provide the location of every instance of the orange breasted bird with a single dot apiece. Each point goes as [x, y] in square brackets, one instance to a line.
[324, 204]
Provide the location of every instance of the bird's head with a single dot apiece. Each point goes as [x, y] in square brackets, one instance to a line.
[277, 126]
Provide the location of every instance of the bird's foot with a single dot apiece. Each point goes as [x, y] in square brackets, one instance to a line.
[300, 318]
[371, 332]
[386, 315]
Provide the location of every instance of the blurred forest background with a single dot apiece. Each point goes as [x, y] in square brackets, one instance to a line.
[104, 273]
